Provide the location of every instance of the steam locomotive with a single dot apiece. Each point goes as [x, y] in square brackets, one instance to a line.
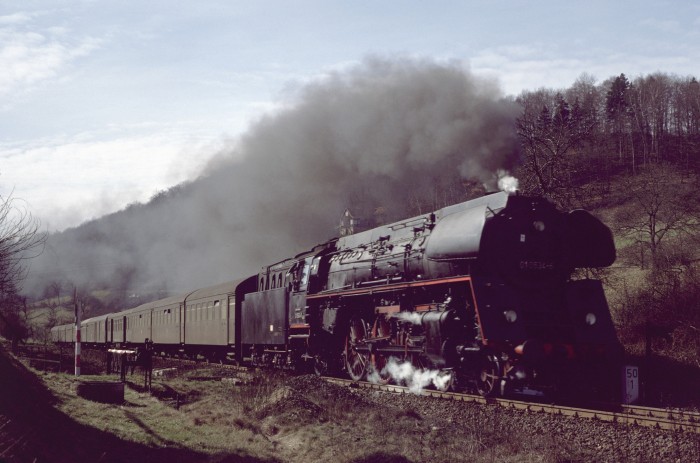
[480, 292]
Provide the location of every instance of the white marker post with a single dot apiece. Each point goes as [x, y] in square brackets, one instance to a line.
[77, 333]
[630, 379]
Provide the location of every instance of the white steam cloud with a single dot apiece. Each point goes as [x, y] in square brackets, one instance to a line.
[406, 374]
[411, 317]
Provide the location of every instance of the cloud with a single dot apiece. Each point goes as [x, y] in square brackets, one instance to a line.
[521, 68]
[529, 67]
[30, 55]
[68, 181]
[663, 25]
[15, 18]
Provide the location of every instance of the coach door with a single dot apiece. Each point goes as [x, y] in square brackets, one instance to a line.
[230, 311]
[123, 336]
[181, 324]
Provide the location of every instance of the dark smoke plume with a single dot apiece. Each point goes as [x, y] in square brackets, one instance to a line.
[379, 132]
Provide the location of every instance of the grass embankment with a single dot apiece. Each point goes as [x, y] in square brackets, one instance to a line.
[212, 415]
[208, 415]
[43, 420]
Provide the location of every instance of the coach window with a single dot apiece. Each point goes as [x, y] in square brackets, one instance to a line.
[274, 281]
[262, 284]
[279, 281]
[217, 310]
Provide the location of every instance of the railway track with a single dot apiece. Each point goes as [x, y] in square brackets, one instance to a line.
[673, 420]
[659, 418]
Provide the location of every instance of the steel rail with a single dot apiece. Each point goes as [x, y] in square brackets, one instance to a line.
[673, 420]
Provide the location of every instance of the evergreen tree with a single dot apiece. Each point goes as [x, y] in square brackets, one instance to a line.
[617, 108]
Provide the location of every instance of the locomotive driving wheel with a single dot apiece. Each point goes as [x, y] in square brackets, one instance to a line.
[380, 329]
[489, 376]
[355, 361]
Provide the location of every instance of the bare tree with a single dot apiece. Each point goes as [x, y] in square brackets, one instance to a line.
[20, 240]
[664, 207]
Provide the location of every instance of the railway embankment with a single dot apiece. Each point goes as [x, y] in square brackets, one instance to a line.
[43, 420]
[205, 413]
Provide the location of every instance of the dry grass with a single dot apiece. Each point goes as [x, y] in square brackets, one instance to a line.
[272, 417]
[203, 424]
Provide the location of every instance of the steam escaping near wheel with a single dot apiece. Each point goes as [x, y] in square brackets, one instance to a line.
[405, 374]
[411, 317]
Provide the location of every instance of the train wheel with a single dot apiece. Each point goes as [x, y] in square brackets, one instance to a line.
[487, 383]
[380, 329]
[356, 362]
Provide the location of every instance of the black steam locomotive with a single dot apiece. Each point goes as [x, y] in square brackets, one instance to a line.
[479, 292]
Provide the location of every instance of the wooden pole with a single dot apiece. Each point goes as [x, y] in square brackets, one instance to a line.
[78, 315]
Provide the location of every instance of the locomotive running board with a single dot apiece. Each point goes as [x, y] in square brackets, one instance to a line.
[387, 288]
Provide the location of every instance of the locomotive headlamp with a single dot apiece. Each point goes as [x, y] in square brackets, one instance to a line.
[539, 225]
[511, 316]
[590, 319]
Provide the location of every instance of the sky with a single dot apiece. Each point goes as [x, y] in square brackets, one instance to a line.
[106, 103]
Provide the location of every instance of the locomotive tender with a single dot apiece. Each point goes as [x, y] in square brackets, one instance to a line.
[480, 291]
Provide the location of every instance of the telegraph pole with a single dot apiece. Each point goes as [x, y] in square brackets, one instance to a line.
[78, 316]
